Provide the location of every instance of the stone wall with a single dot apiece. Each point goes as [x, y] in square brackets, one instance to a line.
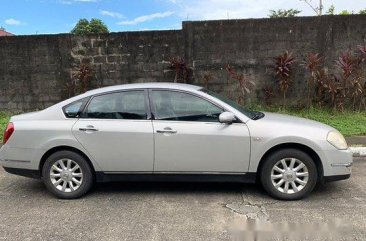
[34, 70]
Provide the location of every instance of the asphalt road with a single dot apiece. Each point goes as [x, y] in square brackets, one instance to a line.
[176, 211]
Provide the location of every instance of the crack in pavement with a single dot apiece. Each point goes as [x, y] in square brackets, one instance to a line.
[250, 211]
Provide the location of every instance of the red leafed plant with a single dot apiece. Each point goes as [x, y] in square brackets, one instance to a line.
[321, 78]
[351, 76]
[245, 83]
[347, 64]
[84, 76]
[312, 63]
[207, 77]
[181, 68]
[268, 94]
[363, 52]
[336, 91]
[283, 71]
[362, 49]
[81, 80]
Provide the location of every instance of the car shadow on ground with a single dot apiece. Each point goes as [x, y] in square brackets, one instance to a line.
[322, 191]
[176, 187]
[29, 187]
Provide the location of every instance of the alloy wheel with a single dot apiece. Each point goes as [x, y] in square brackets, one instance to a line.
[66, 175]
[289, 175]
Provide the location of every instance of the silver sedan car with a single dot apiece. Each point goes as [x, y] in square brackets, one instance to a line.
[170, 132]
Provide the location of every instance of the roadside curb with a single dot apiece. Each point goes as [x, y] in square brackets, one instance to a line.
[356, 141]
[358, 151]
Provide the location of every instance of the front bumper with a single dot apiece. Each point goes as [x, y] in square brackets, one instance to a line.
[349, 164]
[336, 178]
[337, 164]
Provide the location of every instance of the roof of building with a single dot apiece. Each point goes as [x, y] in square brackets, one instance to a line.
[4, 33]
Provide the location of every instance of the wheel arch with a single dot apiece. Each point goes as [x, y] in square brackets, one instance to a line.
[308, 150]
[64, 148]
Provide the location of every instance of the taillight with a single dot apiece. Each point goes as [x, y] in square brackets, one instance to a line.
[8, 132]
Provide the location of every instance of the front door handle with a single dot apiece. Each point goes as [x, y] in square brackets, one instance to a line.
[167, 130]
[88, 128]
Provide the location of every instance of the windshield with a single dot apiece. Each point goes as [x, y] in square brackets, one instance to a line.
[250, 114]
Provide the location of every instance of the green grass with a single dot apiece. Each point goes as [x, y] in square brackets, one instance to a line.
[4, 119]
[348, 123]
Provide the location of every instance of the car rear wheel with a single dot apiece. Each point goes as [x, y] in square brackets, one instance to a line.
[289, 174]
[67, 175]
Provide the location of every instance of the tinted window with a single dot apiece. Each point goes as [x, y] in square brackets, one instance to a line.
[250, 114]
[170, 105]
[121, 105]
[73, 110]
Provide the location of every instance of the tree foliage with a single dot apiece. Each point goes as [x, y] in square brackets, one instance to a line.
[331, 10]
[362, 11]
[283, 13]
[94, 26]
[345, 12]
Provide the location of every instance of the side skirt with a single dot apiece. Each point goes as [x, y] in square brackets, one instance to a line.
[117, 177]
[249, 177]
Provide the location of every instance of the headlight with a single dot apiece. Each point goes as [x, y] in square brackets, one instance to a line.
[337, 140]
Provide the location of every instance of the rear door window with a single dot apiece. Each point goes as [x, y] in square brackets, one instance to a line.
[128, 105]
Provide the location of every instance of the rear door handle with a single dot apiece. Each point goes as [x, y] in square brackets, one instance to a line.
[88, 128]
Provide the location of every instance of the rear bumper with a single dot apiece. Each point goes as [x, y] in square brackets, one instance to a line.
[23, 172]
[16, 157]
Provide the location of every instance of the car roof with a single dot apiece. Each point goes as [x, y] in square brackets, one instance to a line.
[152, 85]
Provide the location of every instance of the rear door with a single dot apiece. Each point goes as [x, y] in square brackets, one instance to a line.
[116, 131]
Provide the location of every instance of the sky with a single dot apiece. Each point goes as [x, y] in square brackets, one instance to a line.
[60, 16]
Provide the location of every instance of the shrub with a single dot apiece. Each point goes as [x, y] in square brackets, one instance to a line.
[81, 80]
[268, 94]
[181, 68]
[351, 76]
[312, 63]
[283, 71]
[245, 83]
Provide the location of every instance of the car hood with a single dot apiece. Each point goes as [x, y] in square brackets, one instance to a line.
[274, 125]
[289, 120]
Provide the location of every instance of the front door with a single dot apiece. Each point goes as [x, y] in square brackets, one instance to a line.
[116, 132]
[190, 139]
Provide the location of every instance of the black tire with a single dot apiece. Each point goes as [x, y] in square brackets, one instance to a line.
[270, 162]
[87, 172]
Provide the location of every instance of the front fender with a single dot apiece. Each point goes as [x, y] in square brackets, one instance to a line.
[260, 147]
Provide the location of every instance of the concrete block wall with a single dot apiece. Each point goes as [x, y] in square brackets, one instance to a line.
[34, 70]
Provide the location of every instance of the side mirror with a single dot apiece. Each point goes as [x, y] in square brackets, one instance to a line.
[227, 117]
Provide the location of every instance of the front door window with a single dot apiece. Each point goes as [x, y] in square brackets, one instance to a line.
[173, 105]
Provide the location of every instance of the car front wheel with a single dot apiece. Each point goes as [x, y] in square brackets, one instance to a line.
[67, 175]
[289, 174]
